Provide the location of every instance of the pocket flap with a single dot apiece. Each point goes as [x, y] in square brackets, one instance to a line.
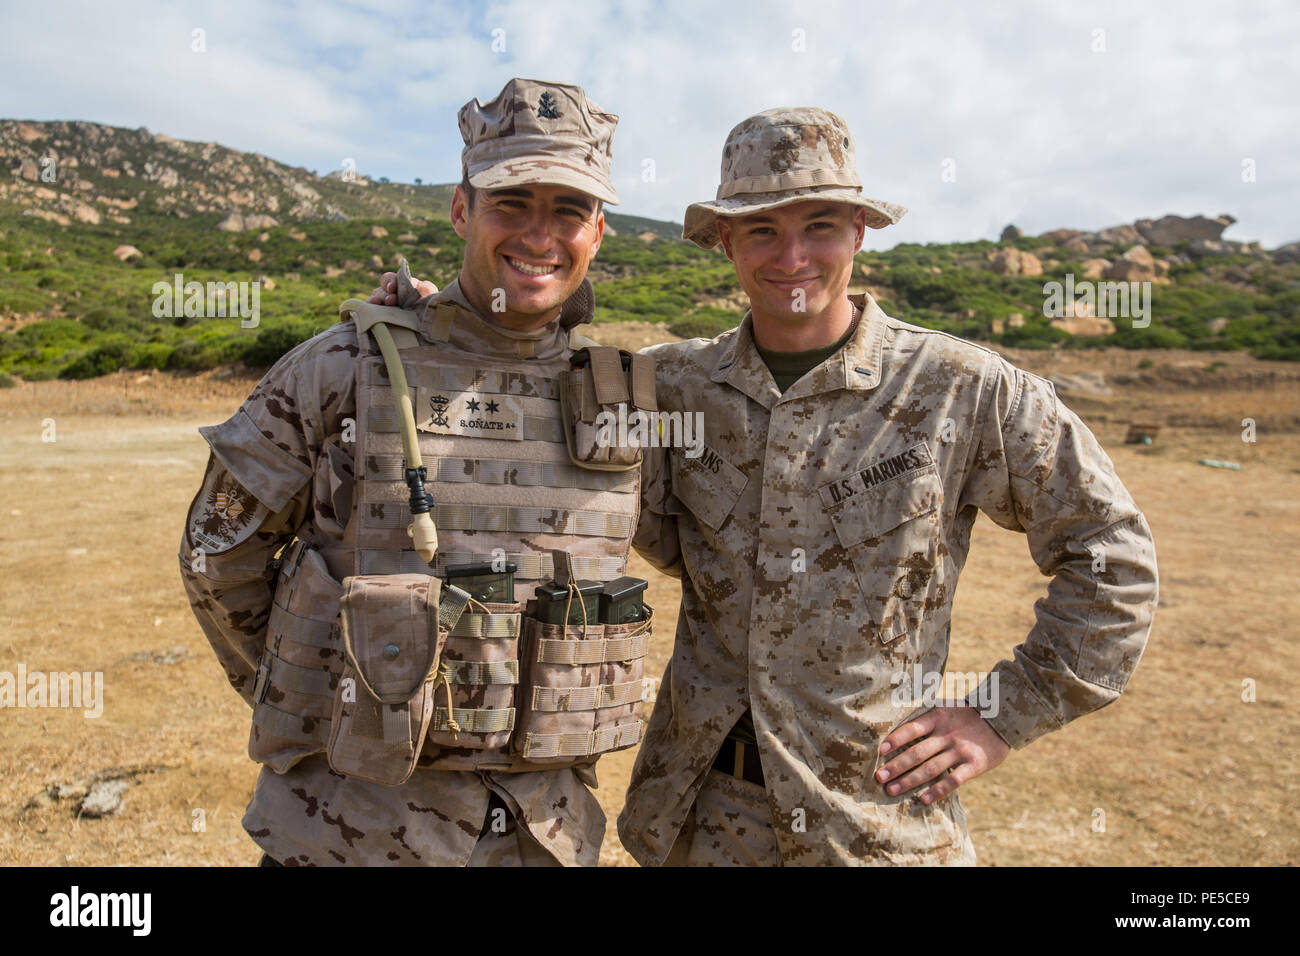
[707, 494]
[390, 632]
[869, 515]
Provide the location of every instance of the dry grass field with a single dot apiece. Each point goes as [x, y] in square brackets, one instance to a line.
[1184, 770]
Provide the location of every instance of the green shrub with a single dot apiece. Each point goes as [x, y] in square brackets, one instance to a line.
[101, 360]
[705, 323]
[265, 350]
[154, 355]
[7, 381]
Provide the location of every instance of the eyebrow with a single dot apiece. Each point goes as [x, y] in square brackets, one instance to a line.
[821, 212]
[583, 202]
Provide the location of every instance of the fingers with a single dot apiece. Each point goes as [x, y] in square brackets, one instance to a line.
[923, 750]
[932, 769]
[960, 774]
[912, 730]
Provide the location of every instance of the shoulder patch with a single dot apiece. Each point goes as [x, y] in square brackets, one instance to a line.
[224, 514]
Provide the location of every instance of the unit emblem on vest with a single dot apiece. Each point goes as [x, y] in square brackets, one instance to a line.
[438, 404]
[474, 414]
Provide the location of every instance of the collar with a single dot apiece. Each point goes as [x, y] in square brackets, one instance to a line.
[857, 366]
[447, 316]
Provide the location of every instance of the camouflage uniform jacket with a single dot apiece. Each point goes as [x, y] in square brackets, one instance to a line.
[276, 467]
[819, 537]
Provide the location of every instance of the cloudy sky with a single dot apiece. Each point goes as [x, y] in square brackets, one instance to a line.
[972, 114]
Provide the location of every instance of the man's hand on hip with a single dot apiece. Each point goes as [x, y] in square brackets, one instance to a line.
[953, 737]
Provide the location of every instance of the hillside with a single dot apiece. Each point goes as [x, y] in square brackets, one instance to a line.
[92, 217]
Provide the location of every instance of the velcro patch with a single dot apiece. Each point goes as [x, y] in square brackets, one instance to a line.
[887, 469]
[474, 414]
[224, 513]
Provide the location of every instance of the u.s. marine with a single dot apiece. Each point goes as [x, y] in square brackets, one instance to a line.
[819, 562]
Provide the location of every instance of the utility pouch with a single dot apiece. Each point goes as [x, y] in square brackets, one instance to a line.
[384, 702]
[474, 690]
[606, 400]
[584, 689]
[301, 663]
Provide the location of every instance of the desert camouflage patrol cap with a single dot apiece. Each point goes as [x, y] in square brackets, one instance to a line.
[784, 156]
[537, 132]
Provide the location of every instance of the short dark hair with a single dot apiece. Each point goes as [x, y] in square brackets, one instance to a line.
[469, 192]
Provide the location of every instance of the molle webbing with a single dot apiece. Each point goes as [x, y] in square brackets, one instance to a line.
[475, 720]
[458, 379]
[587, 698]
[593, 652]
[503, 471]
[502, 518]
[541, 746]
[532, 566]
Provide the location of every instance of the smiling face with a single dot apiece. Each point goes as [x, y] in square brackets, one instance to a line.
[527, 248]
[794, 262]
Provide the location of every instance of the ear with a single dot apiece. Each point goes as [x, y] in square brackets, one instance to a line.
[460, 212]
[724, 233]
[860, 226]
[600, 233]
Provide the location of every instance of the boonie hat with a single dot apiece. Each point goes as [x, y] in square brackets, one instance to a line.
[784, 156]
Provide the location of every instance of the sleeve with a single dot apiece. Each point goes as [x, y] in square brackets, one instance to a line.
[257, 492]
[226, 565]
[656, 531]
[1038, 469]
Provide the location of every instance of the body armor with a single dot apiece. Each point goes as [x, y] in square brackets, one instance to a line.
[495, 690]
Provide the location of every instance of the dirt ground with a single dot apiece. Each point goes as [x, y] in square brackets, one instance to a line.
[1181, 770]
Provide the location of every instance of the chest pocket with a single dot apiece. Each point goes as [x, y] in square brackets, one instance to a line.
[708, 486]
[891, 535]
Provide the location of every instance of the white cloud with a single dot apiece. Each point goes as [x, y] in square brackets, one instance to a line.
[1044, 131]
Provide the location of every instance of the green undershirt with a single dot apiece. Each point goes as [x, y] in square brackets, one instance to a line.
[787, 368]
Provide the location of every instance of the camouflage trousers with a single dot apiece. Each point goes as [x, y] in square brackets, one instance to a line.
[502, 843]
[729, 825]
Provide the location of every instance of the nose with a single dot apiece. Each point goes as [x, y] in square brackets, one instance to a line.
[791, 257]
[537, 235]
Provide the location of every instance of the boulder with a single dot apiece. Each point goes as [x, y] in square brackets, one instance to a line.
[254, 255]
[1136, 265]
[1013, 262]
[1288, 253]
[232, 223]
[1084, 325]
[1119, 235]
[1060, 236]
[378, 232]
[1076, 245]
[1010, 234]
[260, 221]
[297, 235]
[1199, 248]
[1095, 268]
[1171, 229]
[407, 237]
[126, 252]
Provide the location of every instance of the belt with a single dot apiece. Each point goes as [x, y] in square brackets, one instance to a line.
[740, 760]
